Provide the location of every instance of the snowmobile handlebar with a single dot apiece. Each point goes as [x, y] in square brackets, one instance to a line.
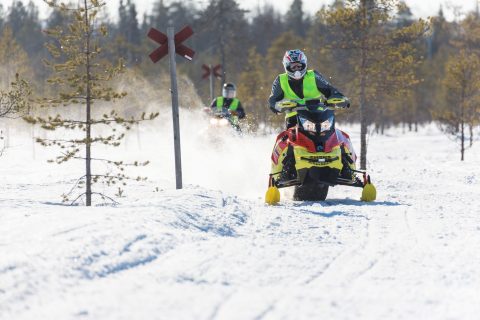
[223, 114]
[219, 114]
[309, 105]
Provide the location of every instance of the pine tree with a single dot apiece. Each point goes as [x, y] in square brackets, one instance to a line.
[461, 112]
[254, 87]
[265, 27]
[471, 25]
[23, 21]
[133, 25]
[180, 14]
[404, 15]
[440, 35]
[295, 18]
[1, 17]
[337, 4]
[223, 30]
[14, 103]
[378, 55]
[13, 59]
[26, 28]
[128, 39]
[56, 19]
[159, 18]
[428, 94]
[82, 78]
[461, 85]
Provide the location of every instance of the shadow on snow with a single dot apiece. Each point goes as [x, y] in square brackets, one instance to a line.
[317, 207]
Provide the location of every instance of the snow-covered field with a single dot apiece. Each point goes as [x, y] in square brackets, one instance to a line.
[214, 250]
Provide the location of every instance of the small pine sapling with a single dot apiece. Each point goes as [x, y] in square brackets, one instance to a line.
[82, 78]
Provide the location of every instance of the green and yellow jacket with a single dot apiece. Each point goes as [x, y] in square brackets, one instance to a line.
[312, 86]
[222, 104]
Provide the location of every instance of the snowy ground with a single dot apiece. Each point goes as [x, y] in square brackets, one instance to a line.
[214, 251]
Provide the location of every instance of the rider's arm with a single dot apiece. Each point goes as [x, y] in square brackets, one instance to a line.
[240, 111]
[214, 103]
[276, 94]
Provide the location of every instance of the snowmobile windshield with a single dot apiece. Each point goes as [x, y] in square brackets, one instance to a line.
[316, 122]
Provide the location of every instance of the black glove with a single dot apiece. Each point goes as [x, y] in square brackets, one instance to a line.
[338, 101]
[274, 110]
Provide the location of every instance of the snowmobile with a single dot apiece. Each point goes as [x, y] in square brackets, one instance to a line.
[314, 155]
[223, 119]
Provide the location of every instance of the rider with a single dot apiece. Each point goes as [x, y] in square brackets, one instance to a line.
[228, 102]
[298, 83]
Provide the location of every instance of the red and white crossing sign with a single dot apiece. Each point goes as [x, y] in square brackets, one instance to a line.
[215, 71]
[162, 40]
[209, 73]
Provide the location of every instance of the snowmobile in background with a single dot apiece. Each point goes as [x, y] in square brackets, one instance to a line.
[314, 155]
[224, 119]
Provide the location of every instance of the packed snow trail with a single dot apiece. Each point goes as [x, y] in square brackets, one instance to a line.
[215, 251]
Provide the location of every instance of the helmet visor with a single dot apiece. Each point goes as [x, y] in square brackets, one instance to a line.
[229, 93]
[296, 66]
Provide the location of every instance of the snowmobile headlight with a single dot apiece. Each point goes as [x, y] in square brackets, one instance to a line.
[307, 125]
[326, 125]
[213, 121]
[223, 122]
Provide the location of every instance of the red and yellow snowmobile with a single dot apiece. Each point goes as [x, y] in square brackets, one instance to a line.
[314, 155]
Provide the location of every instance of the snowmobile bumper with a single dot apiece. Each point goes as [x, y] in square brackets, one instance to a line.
[327, 176]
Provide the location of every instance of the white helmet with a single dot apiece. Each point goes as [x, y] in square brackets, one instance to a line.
[295, 57]
[229, 90]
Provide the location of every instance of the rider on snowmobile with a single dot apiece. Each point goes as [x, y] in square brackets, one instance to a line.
[228, 102]
[298, 83]
[312, 155]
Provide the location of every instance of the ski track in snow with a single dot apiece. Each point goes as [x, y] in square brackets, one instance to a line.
[214, 250]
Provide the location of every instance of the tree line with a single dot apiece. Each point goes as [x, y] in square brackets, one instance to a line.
[396, 69]
[250, 46]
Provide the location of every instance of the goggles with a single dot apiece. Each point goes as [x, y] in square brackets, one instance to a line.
[296, 66]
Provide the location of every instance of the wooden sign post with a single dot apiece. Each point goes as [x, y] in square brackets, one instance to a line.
[171, 44]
